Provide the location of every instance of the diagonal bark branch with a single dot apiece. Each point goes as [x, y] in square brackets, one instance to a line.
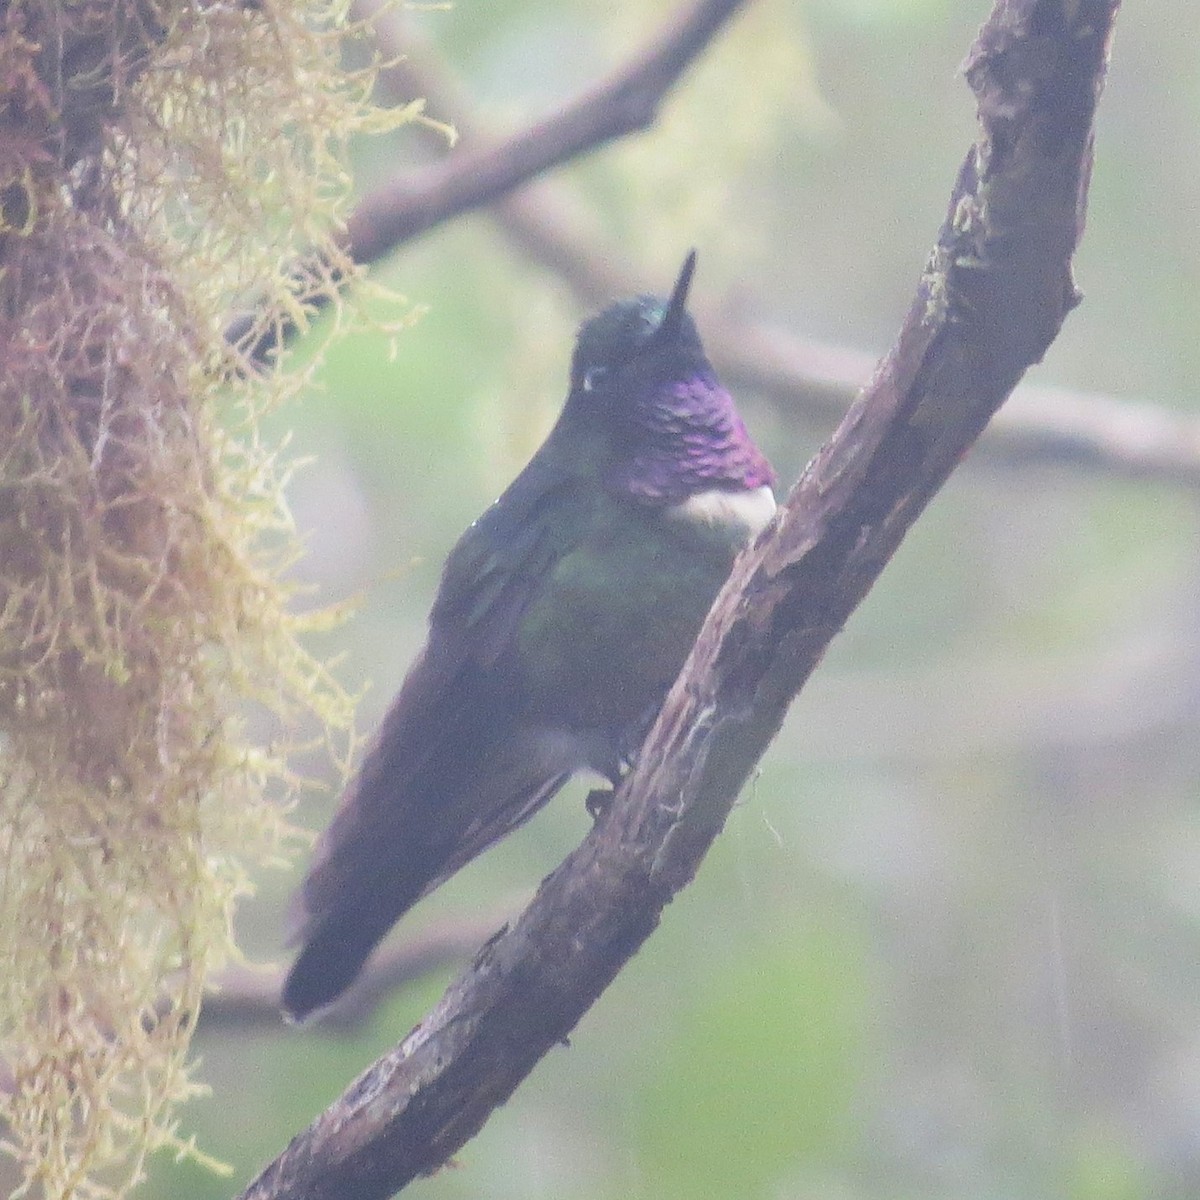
[994, 294]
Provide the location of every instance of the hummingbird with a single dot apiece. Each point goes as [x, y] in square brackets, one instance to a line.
[563, 615]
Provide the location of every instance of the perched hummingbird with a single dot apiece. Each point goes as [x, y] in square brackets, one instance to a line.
[563, 616]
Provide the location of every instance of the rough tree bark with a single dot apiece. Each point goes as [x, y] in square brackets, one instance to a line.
[994, 294]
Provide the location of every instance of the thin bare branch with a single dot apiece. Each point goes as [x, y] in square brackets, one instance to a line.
[413, 202]
[994, 295]
[1040, 424]
[627, 101]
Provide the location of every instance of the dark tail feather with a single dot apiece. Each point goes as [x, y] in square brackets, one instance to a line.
[360, 885]
[324, 969]
[340, 939]
[385, 850]
[348, 903]
[357, 890]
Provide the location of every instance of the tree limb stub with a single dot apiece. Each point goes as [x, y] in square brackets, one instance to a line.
[994, 294]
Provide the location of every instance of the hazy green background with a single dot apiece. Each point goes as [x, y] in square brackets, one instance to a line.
[948, 946]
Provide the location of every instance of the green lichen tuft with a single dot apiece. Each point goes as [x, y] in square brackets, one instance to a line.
[163, 164]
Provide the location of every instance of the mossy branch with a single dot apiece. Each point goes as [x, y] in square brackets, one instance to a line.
[156, 161]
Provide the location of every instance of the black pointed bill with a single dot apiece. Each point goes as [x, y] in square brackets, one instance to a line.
[677, 305]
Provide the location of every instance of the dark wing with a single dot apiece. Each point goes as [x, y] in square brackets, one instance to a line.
[448, 773]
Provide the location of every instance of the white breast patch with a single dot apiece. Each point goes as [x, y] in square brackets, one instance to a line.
[749, 511]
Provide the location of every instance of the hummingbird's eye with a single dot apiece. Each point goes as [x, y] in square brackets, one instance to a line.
[593, 377]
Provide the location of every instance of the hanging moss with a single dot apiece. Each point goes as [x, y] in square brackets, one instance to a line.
[163, 163]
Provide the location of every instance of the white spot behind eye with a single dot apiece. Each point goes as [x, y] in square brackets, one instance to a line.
[592, 378]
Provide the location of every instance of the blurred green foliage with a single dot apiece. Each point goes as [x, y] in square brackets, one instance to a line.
[731, 1106]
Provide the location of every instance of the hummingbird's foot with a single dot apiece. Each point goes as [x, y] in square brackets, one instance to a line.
[598, 801]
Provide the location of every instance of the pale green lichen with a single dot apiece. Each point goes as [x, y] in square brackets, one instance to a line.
[163, 164]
